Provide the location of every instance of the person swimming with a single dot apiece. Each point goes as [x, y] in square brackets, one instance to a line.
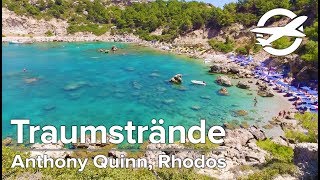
[24, 69]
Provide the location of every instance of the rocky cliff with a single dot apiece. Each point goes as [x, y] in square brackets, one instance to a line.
[15, 25]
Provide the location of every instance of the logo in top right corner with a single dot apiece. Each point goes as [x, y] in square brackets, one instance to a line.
[293, 29]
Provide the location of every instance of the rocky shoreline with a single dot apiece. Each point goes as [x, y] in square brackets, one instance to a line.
[239, 150]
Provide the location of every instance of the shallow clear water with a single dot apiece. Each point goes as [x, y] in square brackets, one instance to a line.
[76, 85]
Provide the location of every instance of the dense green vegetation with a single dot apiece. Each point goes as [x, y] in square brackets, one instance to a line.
[226, 46]
[280, 162]
[49, 33]
[279, 152]
[173, 17]
[308, 121]
[271, 170]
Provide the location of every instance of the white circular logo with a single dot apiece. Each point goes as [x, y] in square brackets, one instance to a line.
[292, 29]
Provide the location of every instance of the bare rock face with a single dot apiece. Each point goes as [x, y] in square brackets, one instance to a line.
[47, 150]
[177, 79]
[218, 68]
[237, 137]
[306, 158]
[88, 144]
[117, 154]
[154, 150]
[23, 25]
[7, 141]
[243, 85]
[266, 93]
[223, 81]
[239, 148]
[257, 133]
[280, 140]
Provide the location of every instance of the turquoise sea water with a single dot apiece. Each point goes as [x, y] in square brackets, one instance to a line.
[76, 85]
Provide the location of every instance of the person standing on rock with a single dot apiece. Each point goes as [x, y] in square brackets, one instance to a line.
[284, 113]
[255, 101]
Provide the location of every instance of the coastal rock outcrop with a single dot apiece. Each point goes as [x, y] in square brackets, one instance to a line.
[306, 158]
[257, 133]
[117, 154]
[7, 141]
[89, 144]
[177, 79]
[237, 137]
[243, 85]
[224, 91]
[225, 68]
[218, 68]
[48, 150]
[114, 48]
[244, 73]
[264, 90]
[223, 81]
[265, 93]
[24, 25]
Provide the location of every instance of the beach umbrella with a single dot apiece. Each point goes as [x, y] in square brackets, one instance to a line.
[313, 107]
[292, 88]
[301, 106]
[310, 106]
[307, 101]
[299, 93]
[271, 78]
[312, 92]
[304, 97]
[276, 74]
[282, 83]
[305, 88]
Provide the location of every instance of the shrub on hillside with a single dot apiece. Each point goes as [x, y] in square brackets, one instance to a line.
[279, 152]
[221, 46]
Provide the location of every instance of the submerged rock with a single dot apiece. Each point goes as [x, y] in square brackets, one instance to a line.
[161, 89]
[129, 68]
[31, 80]
[224, 81]
[154, 75]
[168, 101]
[205, 97]
[103, 50]
[136, 85]
[74, 86]
[74, 96]
[49, 107]
[196, 108]
[241, 113]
